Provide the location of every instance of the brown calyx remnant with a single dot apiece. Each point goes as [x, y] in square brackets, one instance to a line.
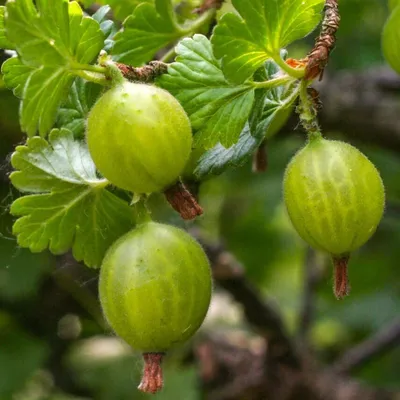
[208, 5]
[152, 380]
[341, 285]
[147, 73]
[183, 201]
[260, 159]
[318, 57]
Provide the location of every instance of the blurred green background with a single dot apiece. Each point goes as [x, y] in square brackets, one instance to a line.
[53, 343]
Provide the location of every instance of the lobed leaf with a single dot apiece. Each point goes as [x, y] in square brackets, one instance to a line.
[4, 42]
[150, 28]
[217, 110]
[244, 41]
[55, 39]
[73, 209]
[15, 75]
[271, 111]
[73, 112]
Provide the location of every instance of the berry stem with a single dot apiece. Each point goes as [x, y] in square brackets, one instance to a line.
[142, 213]
[341, 285]
[183, 201]
[152, 380]
[114, 73]
[308, 113]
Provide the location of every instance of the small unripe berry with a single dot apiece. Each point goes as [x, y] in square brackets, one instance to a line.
[335, 198]
[139, 137]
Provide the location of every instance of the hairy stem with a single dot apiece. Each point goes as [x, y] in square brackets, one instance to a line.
[308, 113]
[272, 83]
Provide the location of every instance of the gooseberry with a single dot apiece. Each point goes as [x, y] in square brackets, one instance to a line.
[335, 199]
[155, 288]
[139, 137]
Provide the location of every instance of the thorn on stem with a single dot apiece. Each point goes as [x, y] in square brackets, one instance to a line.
[183, 201]
[152, 380]
[341, 285]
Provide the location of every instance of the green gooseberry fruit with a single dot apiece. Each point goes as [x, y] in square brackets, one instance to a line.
[391, 39]
[139, 137]
[155, 289]
[335, 199]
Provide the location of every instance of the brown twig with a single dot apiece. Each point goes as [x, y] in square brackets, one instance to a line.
[260, 313]
[319, 55]
[383, 341]
[183, 201]
[147, 73]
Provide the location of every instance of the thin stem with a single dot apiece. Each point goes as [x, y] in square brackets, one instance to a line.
[169, 55]
[308, 113]
[381, 342]
[114, 73]
[87, 67]
[192, 28]
[294, 72]
[92, 77]
[142, 213]
[200, 22]
[272, 83]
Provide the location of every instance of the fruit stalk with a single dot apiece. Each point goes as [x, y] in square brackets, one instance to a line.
[152, 380]
[341, 284]
[308, 112]
[183, 201]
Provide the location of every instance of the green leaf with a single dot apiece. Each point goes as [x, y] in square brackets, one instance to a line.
[58, 41]
[107, 26]
[15, 75]
[4, 42]
[261, 29]
[124, 8]
[147, 30]
[277, 104]
[268, 117]
[73, 112]
[217, 110]
[76, 211]
[218, 159]
[391, 40]
[393, 4]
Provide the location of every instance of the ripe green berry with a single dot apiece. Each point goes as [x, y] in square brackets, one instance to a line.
[155, 288]
[335, 199]
[139, 137]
